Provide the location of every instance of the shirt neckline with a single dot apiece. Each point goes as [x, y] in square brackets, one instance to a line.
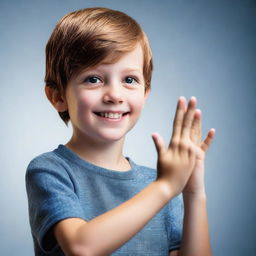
[94, 169]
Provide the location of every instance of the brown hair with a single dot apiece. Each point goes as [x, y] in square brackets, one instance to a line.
[85, 38]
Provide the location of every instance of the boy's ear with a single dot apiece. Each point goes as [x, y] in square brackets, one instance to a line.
[57, 100]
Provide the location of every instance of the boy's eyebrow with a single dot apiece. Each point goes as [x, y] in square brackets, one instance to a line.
[128, 69]
[131, 69]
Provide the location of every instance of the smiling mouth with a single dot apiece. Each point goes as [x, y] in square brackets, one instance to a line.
[111, 115]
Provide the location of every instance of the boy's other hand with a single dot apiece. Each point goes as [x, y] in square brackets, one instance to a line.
[177, 161]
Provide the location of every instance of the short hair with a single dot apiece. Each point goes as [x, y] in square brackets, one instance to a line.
[86, 37]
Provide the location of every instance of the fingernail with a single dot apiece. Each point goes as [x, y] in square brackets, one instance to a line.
[154, 134]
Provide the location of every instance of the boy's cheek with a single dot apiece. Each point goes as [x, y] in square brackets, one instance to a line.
[138, 102]
[88, 100]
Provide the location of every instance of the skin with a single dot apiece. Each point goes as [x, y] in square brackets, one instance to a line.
[180, 165]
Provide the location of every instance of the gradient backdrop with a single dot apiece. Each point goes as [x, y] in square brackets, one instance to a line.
[201, 48]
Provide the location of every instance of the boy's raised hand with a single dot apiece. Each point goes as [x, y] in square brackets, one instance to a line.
[181, 164]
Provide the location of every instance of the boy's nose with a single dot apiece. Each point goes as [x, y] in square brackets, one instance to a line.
[113, 94]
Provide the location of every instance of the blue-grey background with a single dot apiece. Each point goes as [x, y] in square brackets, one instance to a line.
[201, 48]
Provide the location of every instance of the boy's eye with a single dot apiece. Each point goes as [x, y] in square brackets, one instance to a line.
[129, 80]
[92, 79]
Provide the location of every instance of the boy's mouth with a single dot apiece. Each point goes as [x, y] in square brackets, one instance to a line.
[111, 115]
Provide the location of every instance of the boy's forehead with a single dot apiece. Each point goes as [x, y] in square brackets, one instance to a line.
[106, 66]
[129, 61]
[132, 61]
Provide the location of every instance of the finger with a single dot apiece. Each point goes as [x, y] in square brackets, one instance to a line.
[188, 118]
[208, 140]
[179, 115]
[159, 143]
[195, 133]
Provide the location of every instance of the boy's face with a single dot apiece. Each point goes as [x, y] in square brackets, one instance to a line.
[105, 102]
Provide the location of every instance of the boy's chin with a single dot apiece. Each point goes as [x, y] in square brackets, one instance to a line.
[112, 138]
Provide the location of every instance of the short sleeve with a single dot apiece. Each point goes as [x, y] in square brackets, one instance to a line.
[51, 198]
[175, 222]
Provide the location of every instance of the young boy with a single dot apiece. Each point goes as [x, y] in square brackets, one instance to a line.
[85, 197]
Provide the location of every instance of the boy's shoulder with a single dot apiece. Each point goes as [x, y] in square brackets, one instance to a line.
[49, 159]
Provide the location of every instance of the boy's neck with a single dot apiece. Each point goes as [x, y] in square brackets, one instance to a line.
[109, 156]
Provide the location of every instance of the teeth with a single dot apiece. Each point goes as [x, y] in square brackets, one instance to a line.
[111, 115]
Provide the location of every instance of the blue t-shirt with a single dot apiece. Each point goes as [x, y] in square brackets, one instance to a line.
[62, 185]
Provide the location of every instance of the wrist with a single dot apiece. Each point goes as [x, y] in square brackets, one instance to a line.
[201, 195]
[194, 203]
[166, 189]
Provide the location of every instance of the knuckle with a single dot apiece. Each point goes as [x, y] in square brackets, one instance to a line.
[183, 145]
[192, 150]
[175, 142]
[177, 123]
[186, 124]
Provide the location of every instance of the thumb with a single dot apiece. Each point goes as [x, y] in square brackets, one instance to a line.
[208, 140]
[159, 143]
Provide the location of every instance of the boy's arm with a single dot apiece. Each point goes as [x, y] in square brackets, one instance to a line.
[174, 253]
[109, 231]
[195, 238]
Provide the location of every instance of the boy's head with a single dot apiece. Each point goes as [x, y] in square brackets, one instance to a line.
[86, 38]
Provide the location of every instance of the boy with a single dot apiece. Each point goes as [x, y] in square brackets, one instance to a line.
[85, 197]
